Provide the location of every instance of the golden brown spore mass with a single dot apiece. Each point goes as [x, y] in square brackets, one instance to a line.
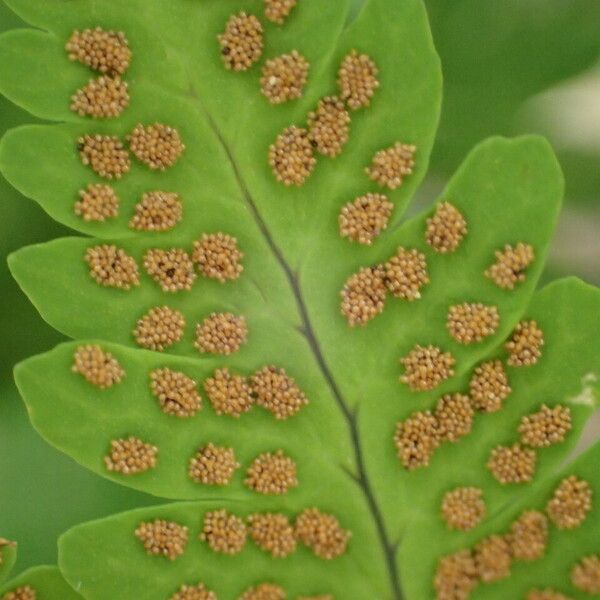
[329, 126]
[357, 79]
[546, 427]
[272, 473]
[229, 394]
[264, 591]
[272, 533]
[284, 77]
[291, 156]
[241, 42]
[570, 504]
[454, 415]
[172, 269]
[512, 464]
[525, 346]
[511, 263]
[277, 392]
[363, 295]
[277, 11]
[528, 536]
[223, 532]
[102, 98]
[97, 202]
[159, 328]
[176, 393]
[130, 456]
[416, 439]
[406, 273]
[456, 576]
[158, 146]
[546, 594]
[365, 218]
[112, 267]
[322, 533]
[463, 508]
[100, 368]
[391, 166]
[472, 322]
[25, 592]
[218, 256]
[446, 229]
[193, 592]
[493, 558]
[221, 333]
[157, 211]
[163, 538]
[426, 367]
[105, 154]
[104, 51]
[585, 575]
[489, 386]
[213, 465]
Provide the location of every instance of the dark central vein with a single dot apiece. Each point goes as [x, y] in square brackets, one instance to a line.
[361, 477]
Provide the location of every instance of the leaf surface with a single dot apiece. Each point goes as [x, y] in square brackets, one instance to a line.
[295, 264]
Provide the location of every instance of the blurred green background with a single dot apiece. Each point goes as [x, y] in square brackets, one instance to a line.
[510, 66]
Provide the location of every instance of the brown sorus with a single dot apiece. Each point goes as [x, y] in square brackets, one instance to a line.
[272, 473]
[112, 267]
[159, 328]
[273, 533]
[131, 456]
[322, 533]
[104, 51]
[363, 295]
[213, 465]
[105, 154]
[511, 263]
[525, 346]
[157, 211]
[158, 146]
[406, 273]
[363, 219]
[241, 42]
[229, 394]
[446, 229]
[277, 392]
[100, 368]
[291, 156]
[218, 256]
[570, 504]
[416, 439]
[463, 508]
[172, 269]
[426, 367]
[163, 538]
[221, 333]
[489, 386]
[224, 532]
[512, 464]
[177, 393]
[284, 77]
[357, 79]
[391, 166]
[102, 98]
[97, 202]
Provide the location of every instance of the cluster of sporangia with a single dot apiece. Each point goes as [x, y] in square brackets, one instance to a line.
[271, 473]
[490, 560]
[227, 533]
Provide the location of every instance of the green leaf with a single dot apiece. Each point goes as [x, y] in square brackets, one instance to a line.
[8, 557]
[295, 264]
[46, 582]
[566, 547]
